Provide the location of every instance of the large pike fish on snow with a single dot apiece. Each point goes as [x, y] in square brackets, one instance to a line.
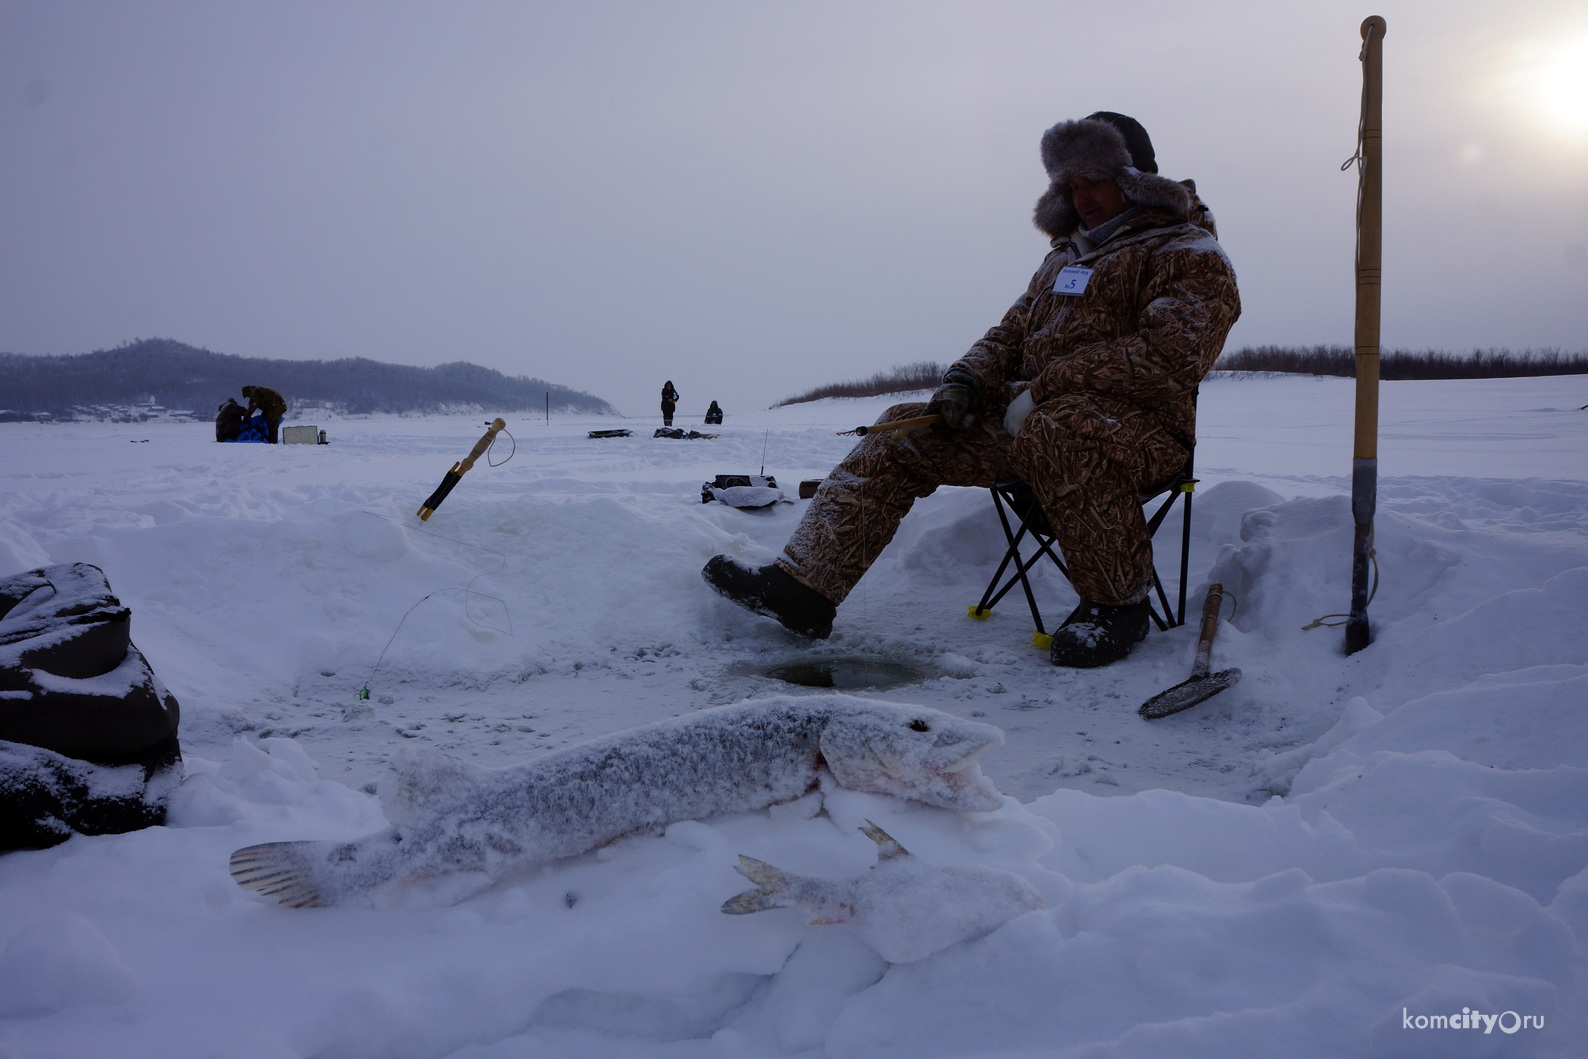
[451, 817]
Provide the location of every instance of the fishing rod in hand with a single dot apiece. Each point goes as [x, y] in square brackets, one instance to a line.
[897, 425]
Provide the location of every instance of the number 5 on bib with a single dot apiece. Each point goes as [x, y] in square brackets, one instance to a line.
[1072, 280]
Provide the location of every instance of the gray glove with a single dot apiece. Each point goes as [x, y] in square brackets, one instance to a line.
[954, 400]
[1019, 408]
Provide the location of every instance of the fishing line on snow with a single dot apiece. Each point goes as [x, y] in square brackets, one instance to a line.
[467, 590]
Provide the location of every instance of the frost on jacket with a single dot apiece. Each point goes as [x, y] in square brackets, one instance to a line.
[1159, 304]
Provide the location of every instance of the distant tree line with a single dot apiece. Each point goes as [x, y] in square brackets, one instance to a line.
[1406, 363]
[1304, 360]
[180, 376]
[922, 375]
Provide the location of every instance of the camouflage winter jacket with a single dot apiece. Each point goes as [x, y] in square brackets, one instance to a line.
[265, 400]
[1153, 318]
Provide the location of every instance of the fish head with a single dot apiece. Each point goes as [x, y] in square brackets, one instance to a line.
[910, 752]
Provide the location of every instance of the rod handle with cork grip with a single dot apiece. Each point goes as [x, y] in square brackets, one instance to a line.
[896, 425]
[459, 469]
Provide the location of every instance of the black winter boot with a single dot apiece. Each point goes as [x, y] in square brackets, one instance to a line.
[769, 590]
[1096, 634]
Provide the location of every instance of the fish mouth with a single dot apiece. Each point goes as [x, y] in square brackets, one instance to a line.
[968, 787]
[957, 785]
[970, 791]
[894, 767]
[967, 761]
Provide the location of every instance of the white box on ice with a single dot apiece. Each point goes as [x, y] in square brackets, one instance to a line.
[300, 435]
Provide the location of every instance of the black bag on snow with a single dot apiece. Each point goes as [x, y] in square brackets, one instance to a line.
[88, 741]
[728, 481]
[74, 682]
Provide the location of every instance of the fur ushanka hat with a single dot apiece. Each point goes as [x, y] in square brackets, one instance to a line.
[1096, 148]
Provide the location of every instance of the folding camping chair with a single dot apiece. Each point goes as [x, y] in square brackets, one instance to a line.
[1015, 497]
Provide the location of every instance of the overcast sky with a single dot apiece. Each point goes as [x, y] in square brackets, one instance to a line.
[750, 199]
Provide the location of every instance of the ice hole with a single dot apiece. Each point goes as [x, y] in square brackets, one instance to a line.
[845, 673]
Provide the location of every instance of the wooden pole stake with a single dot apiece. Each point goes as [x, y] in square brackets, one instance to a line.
[1369, 248]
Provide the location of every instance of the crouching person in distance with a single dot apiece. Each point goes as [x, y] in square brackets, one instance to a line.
[271, 403]
[1085, 391]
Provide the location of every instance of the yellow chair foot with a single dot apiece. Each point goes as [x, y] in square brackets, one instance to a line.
[977, 613]
[1042, 639]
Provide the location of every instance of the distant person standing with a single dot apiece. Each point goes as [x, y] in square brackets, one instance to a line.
[669, 402]
[714, 414]
[270, 403]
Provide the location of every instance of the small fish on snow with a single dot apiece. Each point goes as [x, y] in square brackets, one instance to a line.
[453, 818]
[903, 908]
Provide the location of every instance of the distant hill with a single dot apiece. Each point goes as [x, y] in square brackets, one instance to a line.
[180, 376]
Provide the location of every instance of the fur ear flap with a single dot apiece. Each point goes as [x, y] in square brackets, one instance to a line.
[1150, 189]
[1055, 214]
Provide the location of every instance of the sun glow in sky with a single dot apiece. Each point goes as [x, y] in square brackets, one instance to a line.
[1563, 86]
[1545, 80]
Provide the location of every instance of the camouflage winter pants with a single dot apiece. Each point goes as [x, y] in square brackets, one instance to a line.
[1087, 461]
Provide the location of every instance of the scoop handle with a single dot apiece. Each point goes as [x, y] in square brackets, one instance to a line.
[1210, 625]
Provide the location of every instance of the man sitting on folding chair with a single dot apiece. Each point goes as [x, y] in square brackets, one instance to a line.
[1085, 391]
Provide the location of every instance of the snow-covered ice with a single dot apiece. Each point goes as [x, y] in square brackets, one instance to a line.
[1292, 868]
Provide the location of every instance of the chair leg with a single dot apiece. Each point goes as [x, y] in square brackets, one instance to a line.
[1025, 583]
[1162, 513]
[1189, 488]
[1175, 616]
[1011, 552]
[1163, 614]
[1166, 622]
[1185, 555]
[1021, 567]
[991, 598]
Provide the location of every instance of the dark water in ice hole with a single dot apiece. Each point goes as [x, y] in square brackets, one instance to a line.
[845, 673]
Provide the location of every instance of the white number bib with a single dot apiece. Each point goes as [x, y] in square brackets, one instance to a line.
[1072, 280]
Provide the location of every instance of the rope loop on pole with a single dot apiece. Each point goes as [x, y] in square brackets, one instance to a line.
[1361, 121]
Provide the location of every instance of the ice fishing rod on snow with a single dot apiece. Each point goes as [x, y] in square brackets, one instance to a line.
[461, 468]
[896, 425]
[1201, 685]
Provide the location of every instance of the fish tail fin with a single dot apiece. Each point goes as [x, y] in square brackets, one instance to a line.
[421, 783]
[887, 846]
[283, 871]
[318, 874]
[770, 885]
